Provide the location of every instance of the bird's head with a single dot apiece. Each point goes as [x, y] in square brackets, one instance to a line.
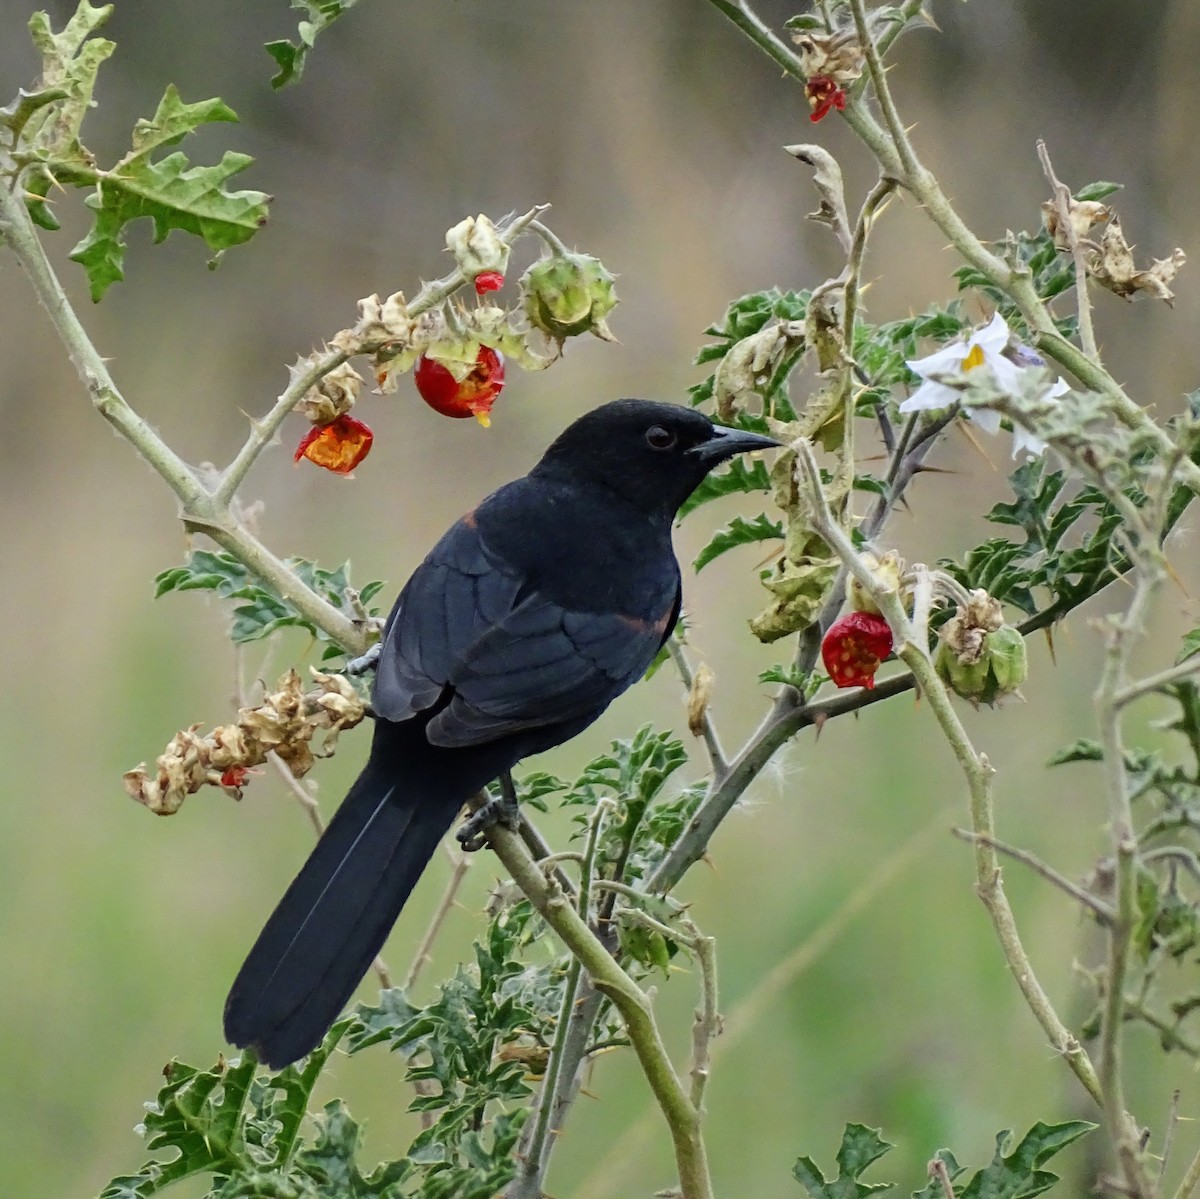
[652, 454]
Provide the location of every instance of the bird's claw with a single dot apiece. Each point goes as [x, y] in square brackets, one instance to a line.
[503, 809]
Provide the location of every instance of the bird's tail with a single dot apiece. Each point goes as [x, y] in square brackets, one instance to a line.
[336, 915]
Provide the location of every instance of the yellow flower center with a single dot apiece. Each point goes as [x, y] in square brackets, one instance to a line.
[973, 359]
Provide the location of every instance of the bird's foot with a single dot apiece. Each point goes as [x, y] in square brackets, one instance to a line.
[503, 809]
[366, 662]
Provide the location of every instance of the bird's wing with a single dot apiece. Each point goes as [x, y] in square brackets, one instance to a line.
[469, 629]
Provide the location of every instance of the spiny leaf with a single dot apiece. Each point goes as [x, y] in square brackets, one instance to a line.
[196, 1117]
[861, 1146]
[1019, 1175]
[171, 192]
[739, 532]
[70, 62]
[262, 610]
[290, 57]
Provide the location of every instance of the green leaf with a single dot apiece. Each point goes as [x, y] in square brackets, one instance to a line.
[1189, 647]
[332, 1160]
[196, 1118]
[1083, 750]
[49, 130]
[1098, 190]
[739, 532]
[861, 1146]
[1019, 1175]
[170, 192]
[290, 57]
[806, 682]
[262, 610]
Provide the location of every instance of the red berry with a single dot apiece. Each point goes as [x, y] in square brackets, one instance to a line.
[338, 446]
[854, 647]
[487, 281]
[472, 396]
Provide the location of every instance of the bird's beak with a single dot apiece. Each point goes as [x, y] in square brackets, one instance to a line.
[725, 443]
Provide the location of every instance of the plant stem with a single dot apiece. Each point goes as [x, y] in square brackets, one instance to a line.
[1097, 907]
[1062, 203]
[1122, 631]
[748, 22]
[430, 295]
[706, 1024]
[630, 1001]
[460, 864]
[19, 233]
[708, 728]
[975, 766]
[1157, 682]
[199, 510]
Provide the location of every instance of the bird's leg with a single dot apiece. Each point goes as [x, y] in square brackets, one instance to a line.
[502, 809]
[366, 661]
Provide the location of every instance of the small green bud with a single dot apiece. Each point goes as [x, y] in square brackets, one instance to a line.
[569, 294]
[996, 671]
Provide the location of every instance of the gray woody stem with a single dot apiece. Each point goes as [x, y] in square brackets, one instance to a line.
[975, 767]
[631, 1002]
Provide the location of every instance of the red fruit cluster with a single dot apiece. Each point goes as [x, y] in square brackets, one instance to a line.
[853, 648]
[338, 446]
[472, 396]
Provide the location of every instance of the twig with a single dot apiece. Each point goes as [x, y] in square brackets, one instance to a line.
[1157, 682]
[460, 864]
[1121, 630]
[1169, 1033]
[264, 429]
[1191, 1177]
[535, 1147]
[975, 766]
[883, 93]
[749, 23]
[198, 510]
[742, 1018]
[534, 1150]
[1098, 907]
[1168, 1138]
[708, 728]
[631, 1002]
[1062, 202]
[706, 1024]
[938, 1170]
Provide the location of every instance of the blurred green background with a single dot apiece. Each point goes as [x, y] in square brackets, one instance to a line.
[860, 977]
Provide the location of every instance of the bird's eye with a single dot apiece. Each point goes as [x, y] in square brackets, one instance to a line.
[658, 438]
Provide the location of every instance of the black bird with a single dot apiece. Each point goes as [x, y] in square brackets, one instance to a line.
[526, 620]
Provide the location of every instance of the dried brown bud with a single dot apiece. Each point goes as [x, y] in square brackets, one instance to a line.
[283, 723]
[333, 396]
[837, 56]
[698, 698]
[1111, 265]
[1083, 214]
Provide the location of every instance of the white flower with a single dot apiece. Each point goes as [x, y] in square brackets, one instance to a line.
[983, 350]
